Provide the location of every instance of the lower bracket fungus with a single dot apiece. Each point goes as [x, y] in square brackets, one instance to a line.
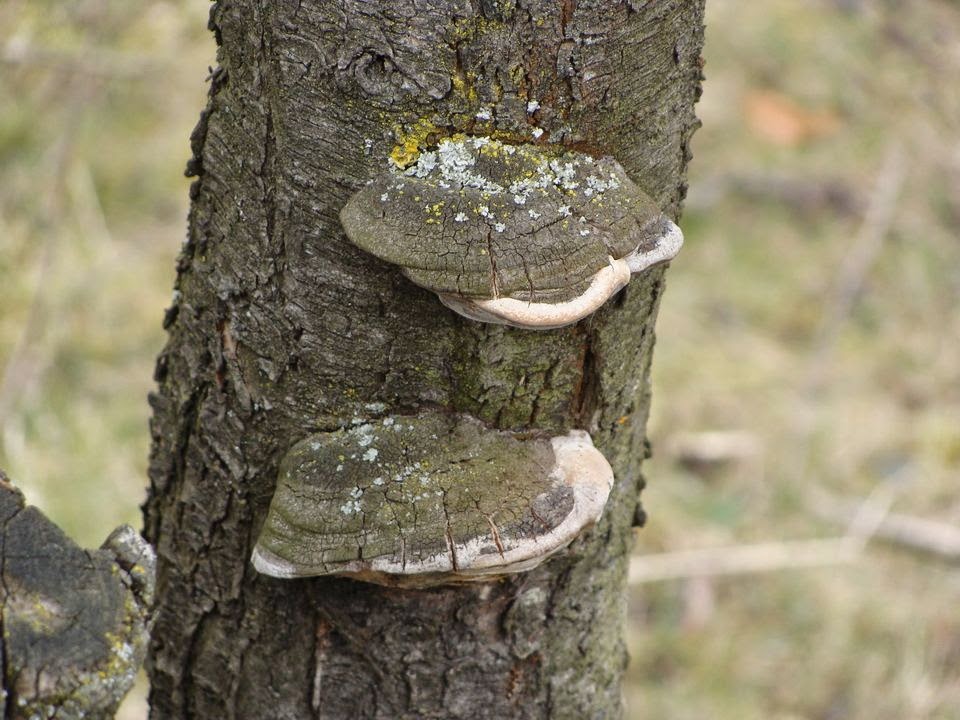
[416, 501]
[521, 235]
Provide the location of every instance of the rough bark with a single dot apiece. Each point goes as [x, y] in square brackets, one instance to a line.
[281, 328]
[74, 622]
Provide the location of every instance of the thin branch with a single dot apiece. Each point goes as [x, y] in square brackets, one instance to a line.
[913, 533]
[864, 519]
[856, 265]
[21, 365]
[744, 559]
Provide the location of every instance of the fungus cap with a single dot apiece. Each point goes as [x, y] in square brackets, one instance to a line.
[520, 235]
[429, 499]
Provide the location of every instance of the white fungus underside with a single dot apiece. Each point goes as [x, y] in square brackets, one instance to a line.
[578, 464]
[548, 316]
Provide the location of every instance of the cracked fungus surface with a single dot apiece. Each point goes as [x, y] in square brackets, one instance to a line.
[406, 489]
[484, 219]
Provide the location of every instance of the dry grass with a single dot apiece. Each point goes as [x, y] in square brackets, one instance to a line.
[838, 356]
[809, 109]
[97, 100]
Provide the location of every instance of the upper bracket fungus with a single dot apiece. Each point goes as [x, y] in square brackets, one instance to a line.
[520, 235]
[423, 500]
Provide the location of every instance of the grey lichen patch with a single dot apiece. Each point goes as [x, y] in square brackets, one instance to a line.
[525, 235]
[429, 499]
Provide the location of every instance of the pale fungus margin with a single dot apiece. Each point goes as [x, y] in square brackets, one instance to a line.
[516, 234]
[443, 500]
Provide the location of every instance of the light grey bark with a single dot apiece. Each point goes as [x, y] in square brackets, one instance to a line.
[282, 328]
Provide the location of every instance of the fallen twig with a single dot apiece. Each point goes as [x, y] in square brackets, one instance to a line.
[863, 521]
[914, 533]
[744, 559]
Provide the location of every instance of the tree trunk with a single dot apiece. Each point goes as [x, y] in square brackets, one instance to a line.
[74, 623]
[281, 328]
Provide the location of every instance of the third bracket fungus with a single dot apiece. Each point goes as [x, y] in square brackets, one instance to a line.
[520, 235]
[423, 500]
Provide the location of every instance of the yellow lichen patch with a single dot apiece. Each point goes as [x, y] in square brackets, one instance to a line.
[43, 615]
[411, 142]
[463, 86]
[469, 27]
[493, 149]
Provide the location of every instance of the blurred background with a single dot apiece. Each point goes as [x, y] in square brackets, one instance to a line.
[802, 554]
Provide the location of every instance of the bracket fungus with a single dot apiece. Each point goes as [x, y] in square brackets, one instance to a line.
[416, 501]
[521, 235]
